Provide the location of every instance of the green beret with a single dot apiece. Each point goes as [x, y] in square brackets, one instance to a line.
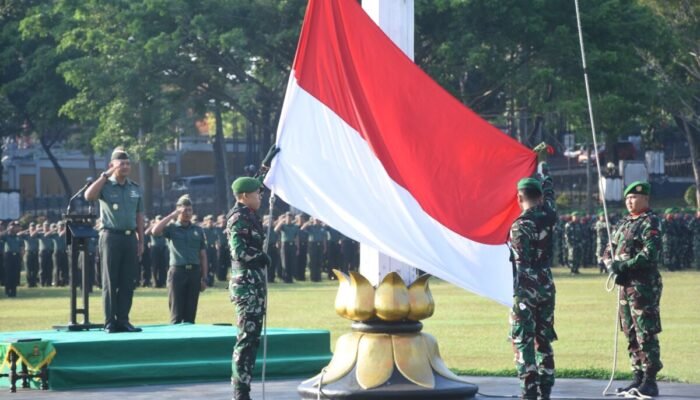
[601, 213]
[245, 185]
[639, 187]
[120, 154]
[530, 183]
[184, 200]
[575, 214]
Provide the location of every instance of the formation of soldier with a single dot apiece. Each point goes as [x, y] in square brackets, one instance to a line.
[580, 239]
[39, 249]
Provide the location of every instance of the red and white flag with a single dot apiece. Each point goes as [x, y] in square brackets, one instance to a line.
[371, 145]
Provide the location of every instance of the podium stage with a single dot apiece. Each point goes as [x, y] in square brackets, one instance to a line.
[167, 354]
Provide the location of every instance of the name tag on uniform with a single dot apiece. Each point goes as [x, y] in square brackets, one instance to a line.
[134, 193]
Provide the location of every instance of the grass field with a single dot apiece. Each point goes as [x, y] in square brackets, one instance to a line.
[471, 330]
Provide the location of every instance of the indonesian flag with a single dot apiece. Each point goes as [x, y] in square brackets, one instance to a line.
[376, 149]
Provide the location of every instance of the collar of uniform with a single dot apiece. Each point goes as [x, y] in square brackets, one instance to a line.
[180, 225]
[635, 216]
[242, 207]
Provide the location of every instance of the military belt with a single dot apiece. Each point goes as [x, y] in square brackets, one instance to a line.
[125, 232]
[187, 267]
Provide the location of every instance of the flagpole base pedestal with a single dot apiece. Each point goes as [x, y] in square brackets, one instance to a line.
[386, 356]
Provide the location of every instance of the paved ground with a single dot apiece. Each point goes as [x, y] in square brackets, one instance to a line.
[286, 390]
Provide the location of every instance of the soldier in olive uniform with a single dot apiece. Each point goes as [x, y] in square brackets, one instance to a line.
[317, 245]
[187, 275]
[272, 251]
[12, 258]
[601, 240]
[60, 257]
[334, 256]
[31, 254]
[668, 240]
[46, 254]
[248, 286]
[636, 242]
[302, 250]
[212, 245]
[121, 239]
[289, 236]
[573, 237]
[532, 315]
[159, 255]
[224, 253]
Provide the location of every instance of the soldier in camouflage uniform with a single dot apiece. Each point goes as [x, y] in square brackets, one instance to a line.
[248, 290]
[694, 228]
[634, 256]
[668, 240]
[532, 315]
[573, 237]
[601, 240]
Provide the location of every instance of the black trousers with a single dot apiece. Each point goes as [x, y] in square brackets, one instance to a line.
[31, 264]
[60, 261]
[224, 263]
[12, 263]
[46, 265]
[183, 293]
[302, 260]
[146, 266]
[213, 261]
[315, 260]
[159, 263]
[120, 273]
[89, 259]
[289, 260]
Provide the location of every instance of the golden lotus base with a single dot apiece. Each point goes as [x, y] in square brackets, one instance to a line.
[387, 366]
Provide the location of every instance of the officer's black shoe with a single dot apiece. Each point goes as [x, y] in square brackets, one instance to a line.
[127, 327]
[648, 386]
[636, 382]
[110, 327]
[545, 393]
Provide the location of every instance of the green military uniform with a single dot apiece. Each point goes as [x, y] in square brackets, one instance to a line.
[317, 236]
[669, 241]
[248, 287]
[636, 242]
[60, 259]
[573, 237]
[289, 253]
[185, 242]
[274, 252]
[13, 246]
[159, 259]
[601, 241]
[302, 257]
[211, 237]
[224, 255]
[118, 247]
[46, 258]
[532, 315]
[31, 258]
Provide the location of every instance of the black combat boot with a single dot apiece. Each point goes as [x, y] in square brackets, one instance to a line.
[649, 387]
[636, 382]
[530, 394]
[545, 393]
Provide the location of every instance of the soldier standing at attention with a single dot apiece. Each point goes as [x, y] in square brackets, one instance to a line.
[668, 240]
[290, 245]
[601, 240]
[159, 255]
[211, 238]
[60, 257]
[31, 255]
[248, 293]
[224, 254]
[303, 249]
[121, 239]
[532, 315]
[573, 238]
[13, 251]
[636, 242]
[46, 255]
[187, 275]
[316, 246]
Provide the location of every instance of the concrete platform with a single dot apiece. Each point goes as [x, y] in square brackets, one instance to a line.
[286, 390]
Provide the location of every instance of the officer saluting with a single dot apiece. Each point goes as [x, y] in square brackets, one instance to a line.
[121, 239]
[187, 275]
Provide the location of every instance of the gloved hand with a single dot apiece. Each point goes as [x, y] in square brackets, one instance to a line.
[270, 155]
[621, 278]
[544, 168]
[617, 267]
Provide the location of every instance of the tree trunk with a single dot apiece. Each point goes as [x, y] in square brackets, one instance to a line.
[68, 191]
[683, 125]
[220, 172]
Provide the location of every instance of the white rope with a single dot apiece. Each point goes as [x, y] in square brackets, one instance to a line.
[608, 287]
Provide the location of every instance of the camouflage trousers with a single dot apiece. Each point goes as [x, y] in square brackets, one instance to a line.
[641, 323]
[532, 333]
[248, 295]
